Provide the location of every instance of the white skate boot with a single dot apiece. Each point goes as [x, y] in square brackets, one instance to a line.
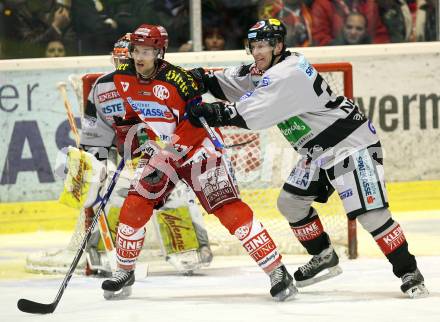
[326, 260]
[281, 283]
[119, 286]
[413, 285]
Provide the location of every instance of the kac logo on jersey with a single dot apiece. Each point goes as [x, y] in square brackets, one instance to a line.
[161, 92]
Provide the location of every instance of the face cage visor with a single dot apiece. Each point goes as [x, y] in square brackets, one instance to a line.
[263, 45]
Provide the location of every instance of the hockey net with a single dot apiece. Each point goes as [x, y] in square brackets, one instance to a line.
[262, 160]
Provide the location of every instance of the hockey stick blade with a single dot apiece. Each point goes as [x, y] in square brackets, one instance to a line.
[40, 308]
[28, 306]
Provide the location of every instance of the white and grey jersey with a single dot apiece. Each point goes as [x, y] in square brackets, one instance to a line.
[102, 104]
[295, 97]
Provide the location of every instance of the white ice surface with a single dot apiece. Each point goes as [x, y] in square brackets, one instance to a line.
[366, 291]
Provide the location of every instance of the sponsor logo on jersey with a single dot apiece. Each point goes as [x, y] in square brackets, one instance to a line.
[108, 96]
[125, 86]
[368, 181]
[151, 109]
[161, 92]
[265, 81]
[144, 93]
[371, 127]
[112, 109]
[295, 129]
[345, 194]
[306, 67]
[182, 80]
[246, 95]
[122, 66]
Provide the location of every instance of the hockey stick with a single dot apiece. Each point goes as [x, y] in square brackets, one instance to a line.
[29, 306]
[62, 89]
[211, 133]
[103, 223]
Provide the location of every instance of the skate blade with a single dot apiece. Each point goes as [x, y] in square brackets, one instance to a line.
[286, 295]
[331, 272]
[418, 291]
[120, 295]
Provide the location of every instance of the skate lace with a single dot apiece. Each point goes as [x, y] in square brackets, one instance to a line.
[408, 277]
[312, 264]
[121, 276]
[276, 276]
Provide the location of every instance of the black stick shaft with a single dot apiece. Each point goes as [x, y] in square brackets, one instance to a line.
[35, 307]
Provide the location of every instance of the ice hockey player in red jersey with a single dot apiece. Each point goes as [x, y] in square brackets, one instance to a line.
[192, 250]
[338, 144]
[150, 100]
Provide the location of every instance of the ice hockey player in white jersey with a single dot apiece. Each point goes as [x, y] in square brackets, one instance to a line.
[338, 144]
[97, 137]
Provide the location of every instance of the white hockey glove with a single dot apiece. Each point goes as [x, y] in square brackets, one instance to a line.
[85, 177]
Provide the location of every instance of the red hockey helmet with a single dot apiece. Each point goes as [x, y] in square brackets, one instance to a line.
[150, 35]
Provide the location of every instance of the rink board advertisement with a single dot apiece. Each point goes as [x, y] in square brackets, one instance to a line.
[395, 85]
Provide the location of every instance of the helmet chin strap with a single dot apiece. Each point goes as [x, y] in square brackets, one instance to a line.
[272, 61]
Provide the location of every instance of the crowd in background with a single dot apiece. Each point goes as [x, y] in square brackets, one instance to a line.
[52, 28]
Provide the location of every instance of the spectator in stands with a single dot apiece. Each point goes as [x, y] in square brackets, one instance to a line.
[55, 48]
[425, 20]
[39, 21]
[296, 16]
[396, 16]
[213, 39]
[96, 30]
[354, 31]
[329, 15]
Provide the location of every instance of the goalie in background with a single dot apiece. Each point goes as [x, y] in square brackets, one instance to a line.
[339, 147]
[178, 224]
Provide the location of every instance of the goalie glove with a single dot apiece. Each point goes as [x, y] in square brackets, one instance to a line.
[85, 177]
[217, 114]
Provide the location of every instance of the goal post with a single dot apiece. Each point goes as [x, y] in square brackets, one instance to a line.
[262, 161]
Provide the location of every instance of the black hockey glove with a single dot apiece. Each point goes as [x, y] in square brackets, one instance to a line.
[198, 74]
[217, 114]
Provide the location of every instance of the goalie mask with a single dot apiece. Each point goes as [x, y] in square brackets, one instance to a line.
[152, 36]
[120, 54]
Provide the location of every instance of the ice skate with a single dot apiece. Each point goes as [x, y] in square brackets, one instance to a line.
[119, 286]
[326, 260]
[205, 254]
[281, 282]
[413, 285]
